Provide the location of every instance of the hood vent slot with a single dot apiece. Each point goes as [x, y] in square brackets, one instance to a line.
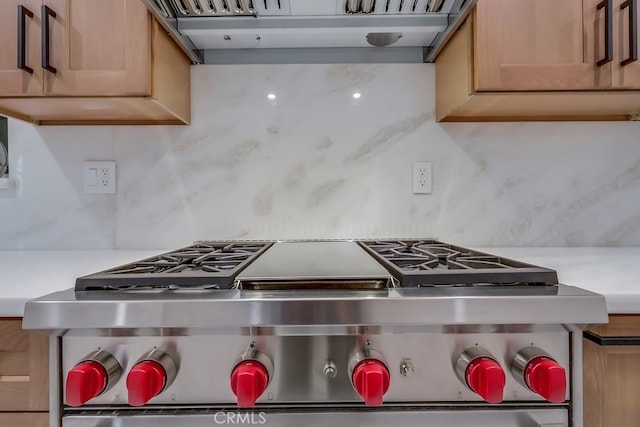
[193, 8]
[381, 7]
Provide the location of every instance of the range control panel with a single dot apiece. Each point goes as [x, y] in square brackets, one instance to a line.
[371, 369]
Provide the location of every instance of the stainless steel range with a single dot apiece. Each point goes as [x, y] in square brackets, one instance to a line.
[318, 333]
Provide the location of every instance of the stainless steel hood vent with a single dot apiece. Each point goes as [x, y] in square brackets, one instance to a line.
[304, 31]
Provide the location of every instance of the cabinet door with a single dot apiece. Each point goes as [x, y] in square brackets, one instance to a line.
[611, 385]
[525, 45]
[15, 81]
[99, 48]
[24, 367]
[628, 75]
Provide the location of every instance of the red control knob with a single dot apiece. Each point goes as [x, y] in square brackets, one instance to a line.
[84, 382]
[486, 377]
[145, 381]
[248, 381]
[371, 380]
[546, 377]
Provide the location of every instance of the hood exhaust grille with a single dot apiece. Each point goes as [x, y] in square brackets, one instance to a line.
[219, 8]
[393, 6]
[193, 8]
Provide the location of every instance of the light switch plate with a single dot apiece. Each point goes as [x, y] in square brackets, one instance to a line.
[99, 177]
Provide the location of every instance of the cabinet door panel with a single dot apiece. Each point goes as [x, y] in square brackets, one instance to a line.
[24, 367]
[611, 385]
[14, 81]
[99, 48]
[526, 45]
[627, 76]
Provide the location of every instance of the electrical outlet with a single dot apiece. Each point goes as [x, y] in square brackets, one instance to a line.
[422, 178]
[99, 177]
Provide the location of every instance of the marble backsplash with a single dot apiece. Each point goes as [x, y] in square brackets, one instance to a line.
[315, 162]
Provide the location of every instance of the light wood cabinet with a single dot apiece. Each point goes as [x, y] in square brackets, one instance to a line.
[24, 369]
[611, 367]
[109, 62]
[32, 419]
[538, 60]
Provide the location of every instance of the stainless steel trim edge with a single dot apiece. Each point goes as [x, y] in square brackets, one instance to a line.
[55, 382]
[401, 307]
[431, 52]
[576, 379]
[184, 43]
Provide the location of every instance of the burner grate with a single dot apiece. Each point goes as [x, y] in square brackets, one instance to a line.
[434, 263]
[204, 265]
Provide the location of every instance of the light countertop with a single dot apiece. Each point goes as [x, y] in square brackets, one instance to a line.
[25, 275]
[613, 272]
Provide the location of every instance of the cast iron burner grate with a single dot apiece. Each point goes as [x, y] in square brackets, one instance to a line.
[417, 263]
[204, 265]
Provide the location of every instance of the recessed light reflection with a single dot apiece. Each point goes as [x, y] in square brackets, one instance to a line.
[357, 95]
[271, 96]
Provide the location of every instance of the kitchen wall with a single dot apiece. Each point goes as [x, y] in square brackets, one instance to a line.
[315, 162]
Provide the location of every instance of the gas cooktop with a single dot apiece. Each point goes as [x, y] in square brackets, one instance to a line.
[316, 265]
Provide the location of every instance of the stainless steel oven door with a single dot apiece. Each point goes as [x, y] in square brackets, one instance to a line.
[353, 418]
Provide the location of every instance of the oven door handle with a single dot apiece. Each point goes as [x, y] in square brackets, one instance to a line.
[325, 415]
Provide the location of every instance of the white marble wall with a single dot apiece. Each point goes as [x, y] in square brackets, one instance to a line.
[47, 208]
[317, 163]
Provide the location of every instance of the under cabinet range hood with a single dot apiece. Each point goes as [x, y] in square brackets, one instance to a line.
[299, 31]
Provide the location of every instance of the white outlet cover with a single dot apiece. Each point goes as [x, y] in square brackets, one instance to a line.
[99, 177]
[422, 178]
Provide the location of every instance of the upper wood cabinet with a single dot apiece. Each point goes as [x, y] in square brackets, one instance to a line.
[541, 60]
[92, 62]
